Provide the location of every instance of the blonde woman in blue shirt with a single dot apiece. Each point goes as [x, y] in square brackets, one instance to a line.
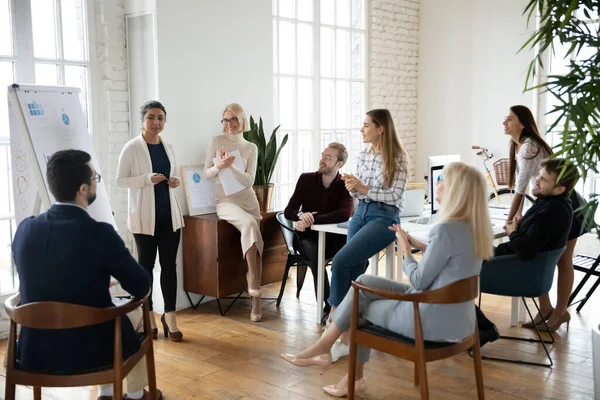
[455, 250]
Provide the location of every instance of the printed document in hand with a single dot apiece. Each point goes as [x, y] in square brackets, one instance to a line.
[230, 183]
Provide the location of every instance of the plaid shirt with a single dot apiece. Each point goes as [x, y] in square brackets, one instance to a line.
[369, 171]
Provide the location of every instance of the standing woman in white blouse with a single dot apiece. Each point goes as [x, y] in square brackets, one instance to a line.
[527, 151]
[147, 169]
[239, 209]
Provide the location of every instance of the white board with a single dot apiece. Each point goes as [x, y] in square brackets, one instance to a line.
[199, 192]
[44, 120]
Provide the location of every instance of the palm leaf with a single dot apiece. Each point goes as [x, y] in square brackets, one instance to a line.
[283, 142]
[576, 114]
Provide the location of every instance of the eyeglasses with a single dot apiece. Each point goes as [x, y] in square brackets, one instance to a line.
[97, 178]
[327, 157]
[226, 121]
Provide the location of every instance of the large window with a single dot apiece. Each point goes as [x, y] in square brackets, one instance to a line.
[42, 42]
[559, 65]
[319, 82]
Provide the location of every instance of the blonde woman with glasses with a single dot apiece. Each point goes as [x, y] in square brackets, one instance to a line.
[455, 250]
[239, 209]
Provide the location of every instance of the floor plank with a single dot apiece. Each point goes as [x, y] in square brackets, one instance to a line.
[231, 358]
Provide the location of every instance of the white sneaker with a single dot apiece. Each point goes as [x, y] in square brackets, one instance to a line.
[339, 350]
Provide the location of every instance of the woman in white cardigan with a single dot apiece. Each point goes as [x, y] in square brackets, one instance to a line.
[147, 169]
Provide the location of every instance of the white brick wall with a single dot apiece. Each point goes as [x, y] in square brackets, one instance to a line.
[393, 66]
[113, 100]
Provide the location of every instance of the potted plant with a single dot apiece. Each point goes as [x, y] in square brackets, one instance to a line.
[577, 93]
[268, 153]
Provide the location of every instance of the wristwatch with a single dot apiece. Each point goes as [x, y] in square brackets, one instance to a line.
[299, 214]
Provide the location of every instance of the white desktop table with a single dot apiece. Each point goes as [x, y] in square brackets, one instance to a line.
[323, 229]
[419, 231]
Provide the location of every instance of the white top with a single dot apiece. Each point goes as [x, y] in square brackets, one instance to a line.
[249, 153]
[529, 160]
[369, 171]
[134, 173]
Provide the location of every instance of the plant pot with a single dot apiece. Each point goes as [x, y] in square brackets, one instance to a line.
[263, 194]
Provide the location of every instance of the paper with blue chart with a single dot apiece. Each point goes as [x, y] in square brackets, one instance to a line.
[44, 120]
[199, 192]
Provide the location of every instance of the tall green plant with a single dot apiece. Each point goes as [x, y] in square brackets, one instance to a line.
[576, 95]
[268, 152]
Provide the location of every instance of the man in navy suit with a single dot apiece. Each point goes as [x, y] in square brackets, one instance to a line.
[64, 255]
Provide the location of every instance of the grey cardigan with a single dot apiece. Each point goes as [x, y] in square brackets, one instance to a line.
[449, 257]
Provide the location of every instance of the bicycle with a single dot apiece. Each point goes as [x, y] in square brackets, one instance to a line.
[501, 169]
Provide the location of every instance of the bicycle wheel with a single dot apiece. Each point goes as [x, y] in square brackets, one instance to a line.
[505, 197]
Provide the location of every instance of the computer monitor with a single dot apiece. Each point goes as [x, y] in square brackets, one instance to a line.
[436, 166]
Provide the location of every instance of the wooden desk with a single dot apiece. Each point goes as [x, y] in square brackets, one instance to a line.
[213, 264]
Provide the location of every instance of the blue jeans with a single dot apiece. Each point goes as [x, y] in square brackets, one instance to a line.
[368, 234]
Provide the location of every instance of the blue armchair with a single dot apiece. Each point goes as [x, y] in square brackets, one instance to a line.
[509, 276]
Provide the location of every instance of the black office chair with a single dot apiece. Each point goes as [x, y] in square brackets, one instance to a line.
[587, 265]
[296, 255]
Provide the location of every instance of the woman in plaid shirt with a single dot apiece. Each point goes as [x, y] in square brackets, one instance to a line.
[379, 184]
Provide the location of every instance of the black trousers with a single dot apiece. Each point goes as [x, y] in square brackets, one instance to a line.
[333, 244]
[166, 242]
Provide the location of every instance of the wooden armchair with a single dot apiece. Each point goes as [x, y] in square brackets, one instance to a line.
[54, 315]
[418, 350]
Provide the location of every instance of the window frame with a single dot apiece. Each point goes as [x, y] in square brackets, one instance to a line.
[316, 77]
[23, 57]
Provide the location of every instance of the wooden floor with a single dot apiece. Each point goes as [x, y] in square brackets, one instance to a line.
[232, 358]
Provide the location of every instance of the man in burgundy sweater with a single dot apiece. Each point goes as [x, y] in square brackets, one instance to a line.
[321, 198]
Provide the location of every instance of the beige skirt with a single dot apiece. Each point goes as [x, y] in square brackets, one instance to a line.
[246, 220]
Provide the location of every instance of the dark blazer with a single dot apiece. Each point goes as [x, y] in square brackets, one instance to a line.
[332, 204]
[545, 226]
[64, 255]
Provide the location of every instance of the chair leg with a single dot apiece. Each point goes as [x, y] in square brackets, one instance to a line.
[588, 295]
[423, 385]
[37, 393]
[416, 369]
[578, 288]
[9, 361]
[477, 366]
[9, 391]
[151, 371]
[352, 369]
[300, 276]
[283, 282]
[118, 389]
[539, 340]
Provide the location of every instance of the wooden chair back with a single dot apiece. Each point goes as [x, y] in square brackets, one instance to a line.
[457, 292]
[56, 315]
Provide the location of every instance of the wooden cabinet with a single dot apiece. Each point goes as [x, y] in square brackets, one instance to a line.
[213, 263]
